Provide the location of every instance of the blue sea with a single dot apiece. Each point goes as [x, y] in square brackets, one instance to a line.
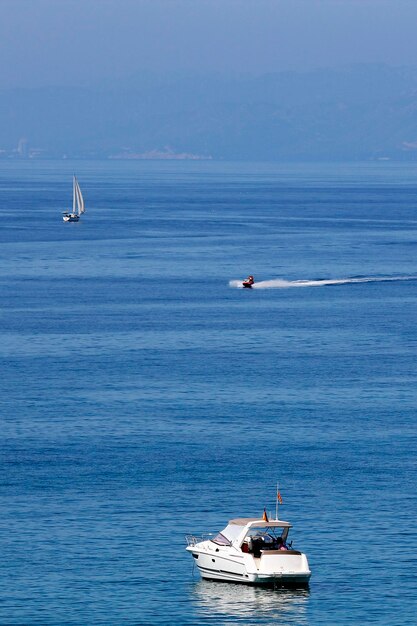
[144, 395]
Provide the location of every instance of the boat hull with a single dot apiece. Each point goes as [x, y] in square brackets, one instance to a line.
[71, 218]
[294, 582]
[273, 569]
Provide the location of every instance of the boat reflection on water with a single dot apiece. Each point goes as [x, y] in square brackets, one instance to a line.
[249, 605]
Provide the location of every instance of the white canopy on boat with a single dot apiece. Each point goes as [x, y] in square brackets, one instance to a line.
[237, 529]
[232, 532]
[259, 523]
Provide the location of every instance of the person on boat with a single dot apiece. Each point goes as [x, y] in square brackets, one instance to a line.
[249, 281]
[281, 544]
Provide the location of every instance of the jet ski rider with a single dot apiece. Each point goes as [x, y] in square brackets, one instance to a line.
[249, 281]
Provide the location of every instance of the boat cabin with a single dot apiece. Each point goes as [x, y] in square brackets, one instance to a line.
[253, 536]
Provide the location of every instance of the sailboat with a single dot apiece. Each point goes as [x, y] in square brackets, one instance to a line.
[78, 207]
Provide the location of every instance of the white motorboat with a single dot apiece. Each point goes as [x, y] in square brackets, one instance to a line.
[253, 551]
[78, 207]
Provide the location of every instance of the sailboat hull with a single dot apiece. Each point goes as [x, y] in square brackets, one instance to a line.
[71, 218]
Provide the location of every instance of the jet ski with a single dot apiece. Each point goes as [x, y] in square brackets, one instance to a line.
[247, 284]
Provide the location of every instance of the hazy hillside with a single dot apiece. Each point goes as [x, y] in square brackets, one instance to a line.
[359, 112]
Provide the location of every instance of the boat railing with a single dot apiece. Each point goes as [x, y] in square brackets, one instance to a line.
[193, 539]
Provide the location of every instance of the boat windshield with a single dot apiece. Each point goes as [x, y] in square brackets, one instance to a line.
[227, 536]
[273, 532]
[221, 540]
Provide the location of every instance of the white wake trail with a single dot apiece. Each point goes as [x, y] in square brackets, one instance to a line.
[279, 283]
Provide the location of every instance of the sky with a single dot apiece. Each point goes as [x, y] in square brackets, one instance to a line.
[70, 42]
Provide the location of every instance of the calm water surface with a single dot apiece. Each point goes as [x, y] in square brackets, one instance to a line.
[143, 397]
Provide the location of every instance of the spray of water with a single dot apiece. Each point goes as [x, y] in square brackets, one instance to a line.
[279, 283]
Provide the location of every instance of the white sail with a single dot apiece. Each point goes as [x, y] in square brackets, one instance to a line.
[78, 198]
[74, 193]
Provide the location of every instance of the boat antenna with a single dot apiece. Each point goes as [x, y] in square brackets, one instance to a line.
[278, 499]
[276, 502]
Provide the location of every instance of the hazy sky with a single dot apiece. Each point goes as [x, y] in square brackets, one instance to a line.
[68, 41]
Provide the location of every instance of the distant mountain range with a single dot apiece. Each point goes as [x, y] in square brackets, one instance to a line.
[351, 113]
